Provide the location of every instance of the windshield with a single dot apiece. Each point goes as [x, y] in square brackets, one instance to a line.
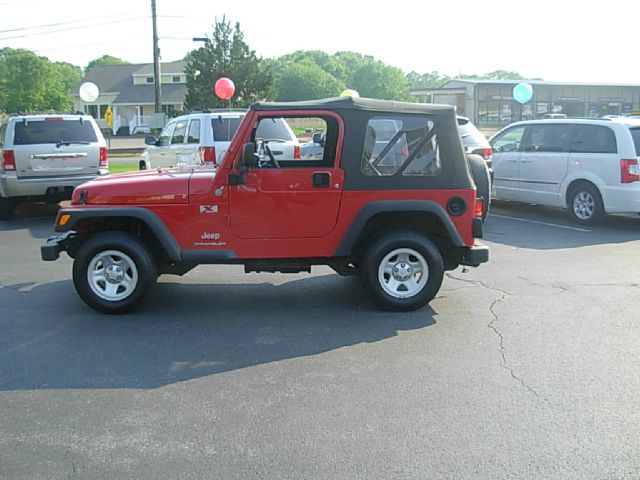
[53, 131]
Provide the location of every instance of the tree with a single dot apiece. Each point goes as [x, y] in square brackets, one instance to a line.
[377, 80]
[70, 75]
[105, 60]
[426, 80]
[29, 82]
[306, 81]
[226, 54]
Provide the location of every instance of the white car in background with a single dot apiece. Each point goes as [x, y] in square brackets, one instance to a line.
[202, 138]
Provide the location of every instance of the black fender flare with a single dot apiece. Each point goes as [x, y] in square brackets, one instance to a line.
[156, 225]
[389, 206]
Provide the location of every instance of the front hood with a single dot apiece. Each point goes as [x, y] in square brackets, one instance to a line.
[166, 186]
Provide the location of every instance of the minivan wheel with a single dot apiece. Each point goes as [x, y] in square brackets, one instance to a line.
[7, 208]
[113, 271]
[402, 270]
[585, 204]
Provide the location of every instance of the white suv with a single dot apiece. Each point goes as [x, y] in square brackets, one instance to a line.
[203, 138]
[43, 157]
[587, 165]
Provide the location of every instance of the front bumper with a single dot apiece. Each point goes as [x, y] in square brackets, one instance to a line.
[56, 244]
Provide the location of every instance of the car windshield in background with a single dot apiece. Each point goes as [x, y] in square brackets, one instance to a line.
[635, 134]
[224, 128]
[469, 131]
[273, 129]
[53, 131]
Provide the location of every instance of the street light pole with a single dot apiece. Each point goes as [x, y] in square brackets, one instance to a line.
[156, 61]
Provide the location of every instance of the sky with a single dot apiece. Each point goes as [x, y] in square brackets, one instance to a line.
[556, 40]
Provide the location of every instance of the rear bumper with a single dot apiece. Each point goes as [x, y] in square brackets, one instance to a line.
[622, 198]
[51, 250]
[12, 186]
[474, 256]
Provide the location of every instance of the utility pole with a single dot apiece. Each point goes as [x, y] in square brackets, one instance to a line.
[156, 61]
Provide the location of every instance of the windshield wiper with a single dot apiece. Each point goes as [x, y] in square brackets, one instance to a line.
[59, 143]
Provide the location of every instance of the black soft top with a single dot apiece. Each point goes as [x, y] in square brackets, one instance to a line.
[350, 103]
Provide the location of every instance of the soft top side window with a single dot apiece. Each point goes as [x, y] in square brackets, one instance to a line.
[400, 144]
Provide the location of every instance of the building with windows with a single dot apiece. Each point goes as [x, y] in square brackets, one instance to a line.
[490, 103]
[129, 90]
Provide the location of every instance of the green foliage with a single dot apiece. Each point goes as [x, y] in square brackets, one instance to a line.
[29, 82]
[105, 60]
[226, 54]
[426, 80]
[306, 81]
[304, 75]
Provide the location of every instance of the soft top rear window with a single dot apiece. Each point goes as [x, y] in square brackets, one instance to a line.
[36, 132]
[635, 134]
[224, 128]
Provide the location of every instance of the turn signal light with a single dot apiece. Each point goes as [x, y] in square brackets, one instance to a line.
[629, 172]
[64, 219]
[479, 207]
[296, 152]
[8, 161]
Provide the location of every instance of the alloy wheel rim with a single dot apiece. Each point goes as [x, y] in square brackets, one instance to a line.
[112, 275]
[403, 273]
[584, 205]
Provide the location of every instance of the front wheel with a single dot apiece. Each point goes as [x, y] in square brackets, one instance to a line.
[402, 270]
[113, 271]
[585, 204]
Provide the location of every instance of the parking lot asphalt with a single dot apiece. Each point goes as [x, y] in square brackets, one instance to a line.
[527, 367]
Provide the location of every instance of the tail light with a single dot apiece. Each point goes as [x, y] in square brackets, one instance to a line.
[104, 159]
[479, 207]
[8, 161]
[296, 152]
[629, 171]
[487, 153]
[208, 155]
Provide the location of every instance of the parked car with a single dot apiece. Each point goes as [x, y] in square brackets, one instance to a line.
[587, 165]
[474, 140]
[203, 138]
[399, 229]
[45, 156]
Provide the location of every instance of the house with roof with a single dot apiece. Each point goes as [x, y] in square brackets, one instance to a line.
[129, 91]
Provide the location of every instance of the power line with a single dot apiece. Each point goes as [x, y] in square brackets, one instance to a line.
[74, 28]
[60, 23]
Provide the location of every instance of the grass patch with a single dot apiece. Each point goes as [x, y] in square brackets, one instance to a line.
[115, 168]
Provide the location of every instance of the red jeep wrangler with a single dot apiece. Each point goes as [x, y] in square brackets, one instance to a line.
[390, 197]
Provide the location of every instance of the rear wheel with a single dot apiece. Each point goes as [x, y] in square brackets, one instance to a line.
[585, 204]
[113, 271]
[402, 270]
[7, 208]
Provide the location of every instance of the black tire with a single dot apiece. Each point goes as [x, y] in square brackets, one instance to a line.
[482, 179]
[379, 284]
[7, 208]
[138, 272]
[585, 204]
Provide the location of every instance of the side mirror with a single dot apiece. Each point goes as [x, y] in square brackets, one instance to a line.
[150, 140]
[249, 158]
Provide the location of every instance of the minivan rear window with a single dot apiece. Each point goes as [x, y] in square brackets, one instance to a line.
[224, 128]
[635, 133]
[53, 131]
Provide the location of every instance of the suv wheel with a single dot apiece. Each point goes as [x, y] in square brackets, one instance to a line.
[482, 179]
[112, 271]
[7, 208]
[585, 204]
[402, 270]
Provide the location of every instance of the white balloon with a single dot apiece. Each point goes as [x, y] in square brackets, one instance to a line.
[89, 92]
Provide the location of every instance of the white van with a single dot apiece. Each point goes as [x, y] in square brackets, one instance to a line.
[589, 166]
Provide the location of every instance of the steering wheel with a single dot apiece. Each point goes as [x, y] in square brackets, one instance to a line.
[267, 160]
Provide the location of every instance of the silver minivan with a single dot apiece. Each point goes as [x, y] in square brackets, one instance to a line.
[45, 156]
[589, 166]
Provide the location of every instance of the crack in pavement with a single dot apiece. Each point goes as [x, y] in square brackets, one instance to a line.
[565, 288]
[492, 326]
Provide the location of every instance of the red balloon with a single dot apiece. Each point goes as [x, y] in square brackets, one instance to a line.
[224, 88]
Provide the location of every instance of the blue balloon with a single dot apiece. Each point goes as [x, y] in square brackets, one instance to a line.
[522, 92]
